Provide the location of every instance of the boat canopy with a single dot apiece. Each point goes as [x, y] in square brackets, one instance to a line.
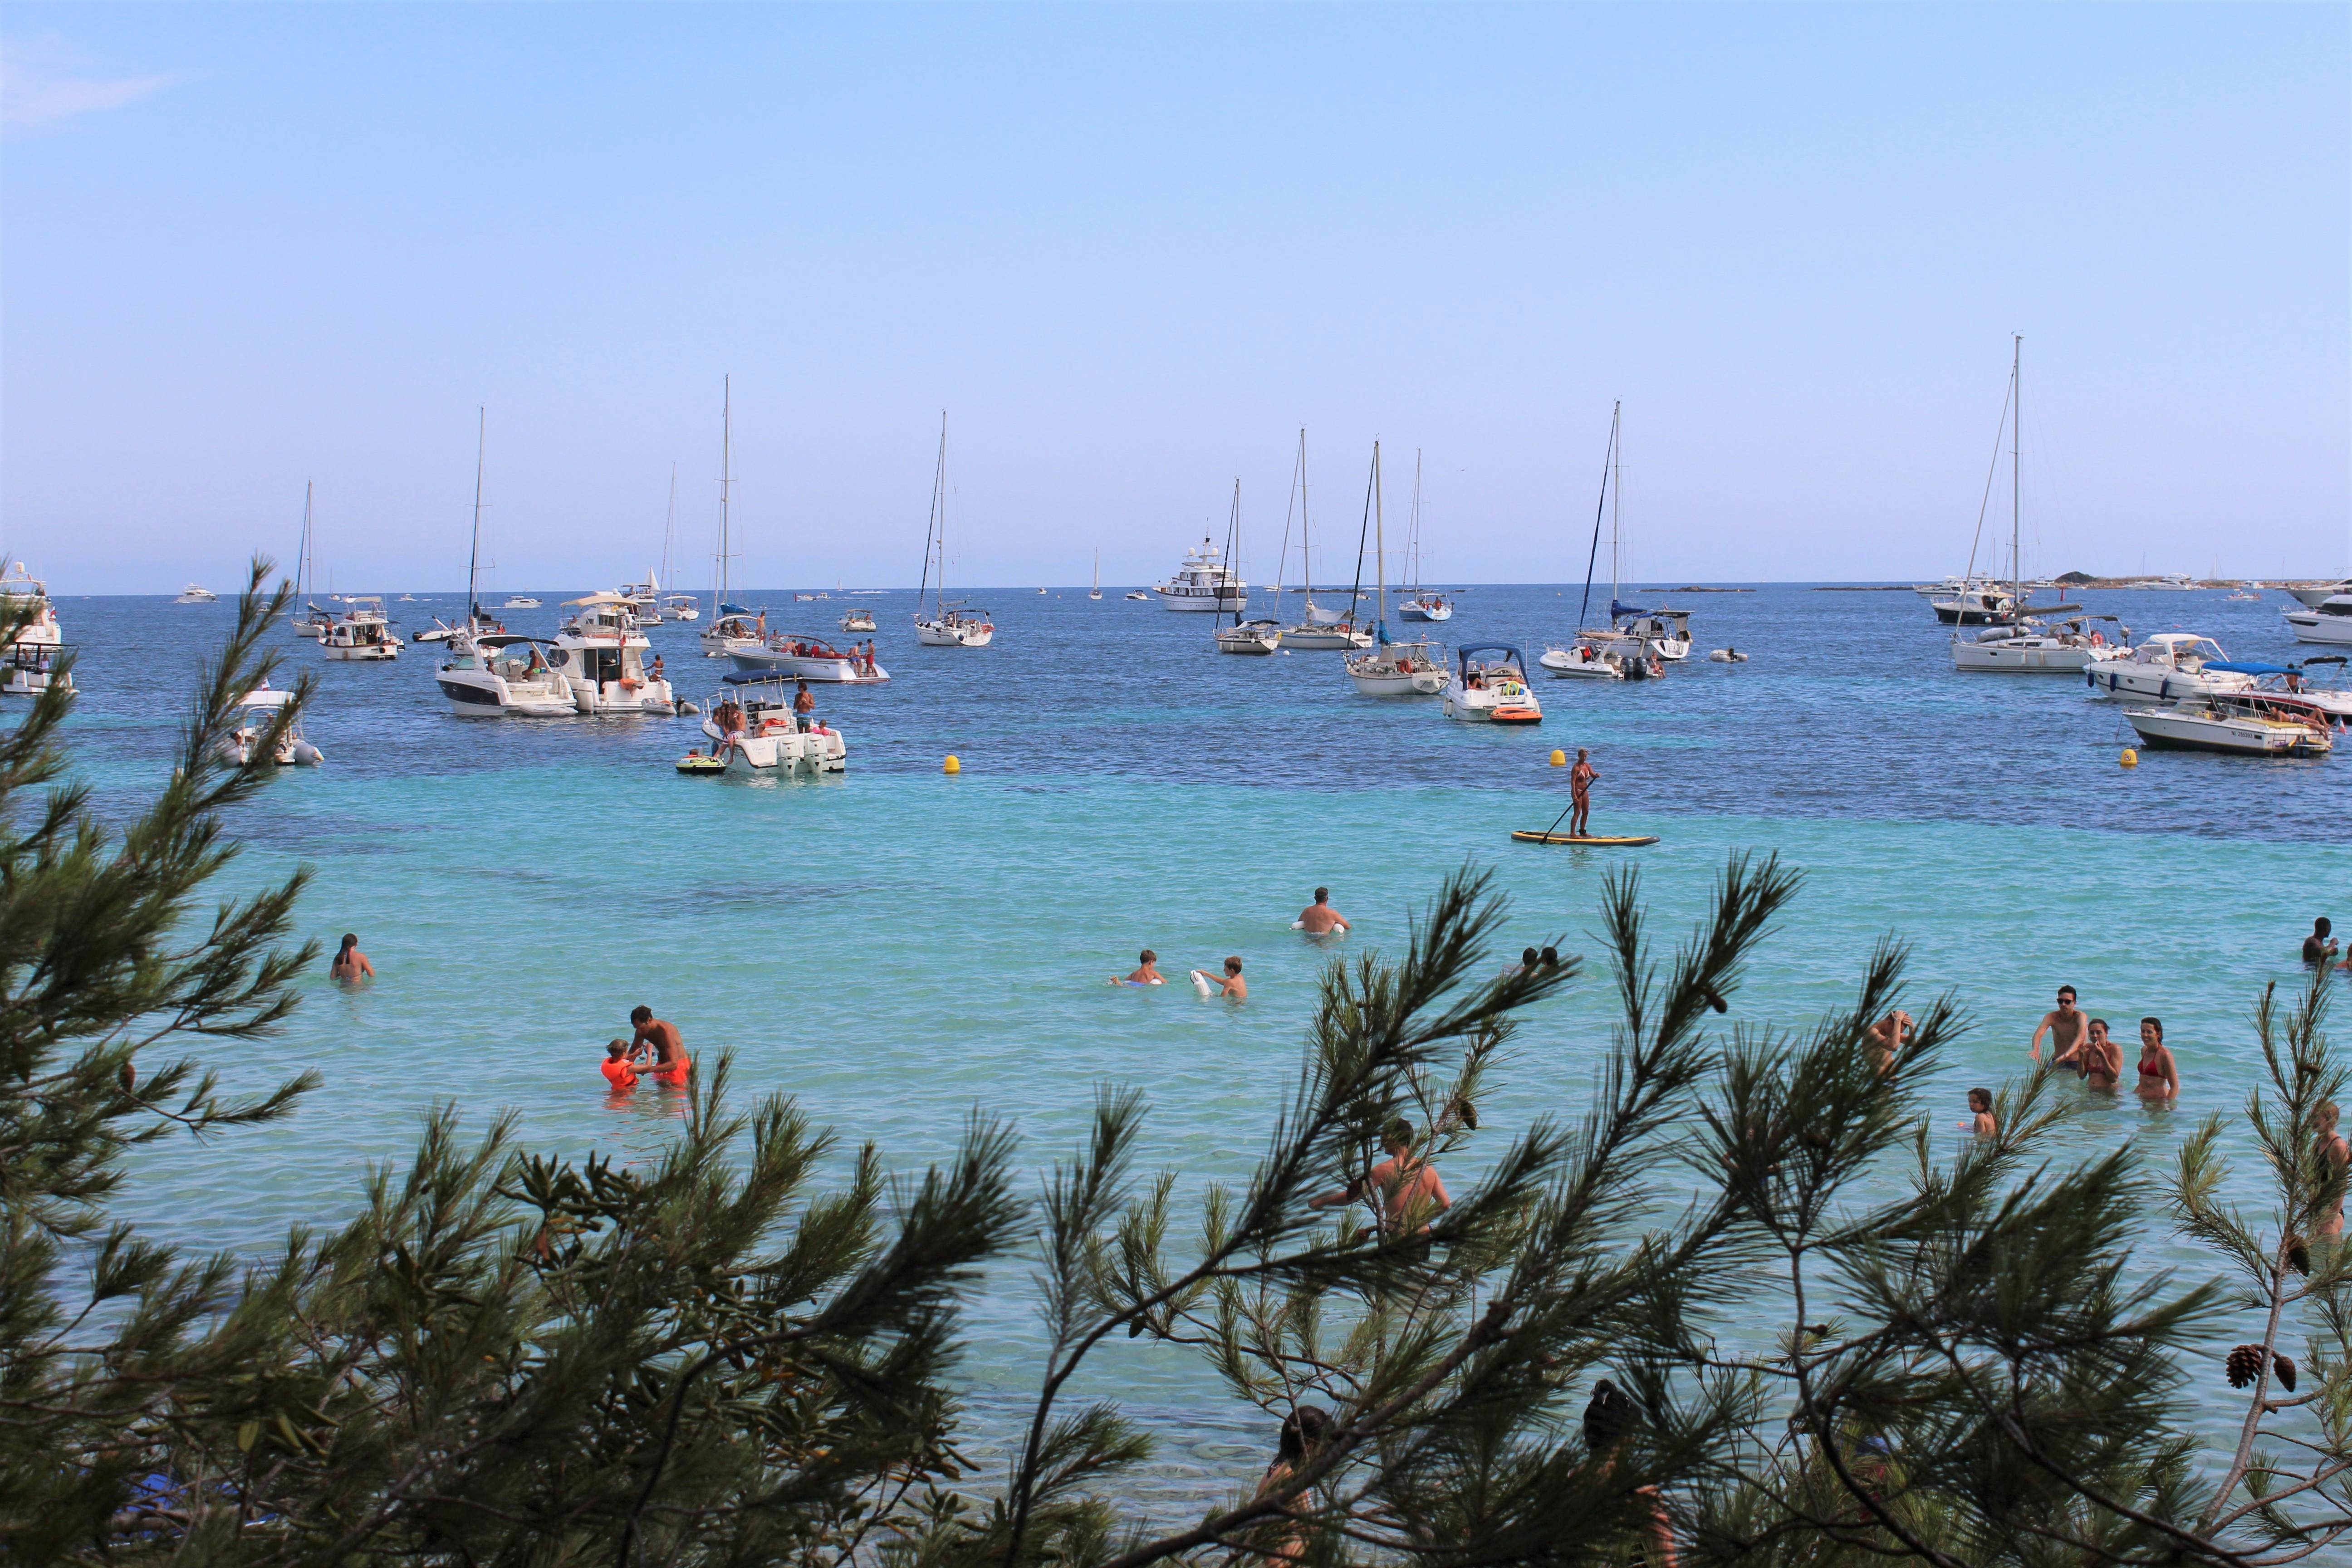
[265, 696]
[2252, 667]
[509, 640]
[727, 609]
[600, 598]
[1465, 655]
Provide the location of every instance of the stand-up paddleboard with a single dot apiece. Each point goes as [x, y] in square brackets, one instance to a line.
[1590, 841]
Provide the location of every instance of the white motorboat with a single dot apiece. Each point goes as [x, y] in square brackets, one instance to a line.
[2169, 666]
[2328, 622]
[1729, 656]
[806, 658]
[2311, 595]
[2034, 647]
[1489, 684]
[683, 607]
[1203, 582]
[603, 655]
[1976, 606]
[947, 622]
[1658, 635]
[36, 659]
[2243, 596]
[1427, 607]
[768, 737]
[362, 633]
[193, 594]
[2302, 681]
[2248, 723]
[858, 618]
[489, 675]
[1586, 661]
[2175, 582]
[257, 710]
[521, 602]
[735, 626]
[1140, 595]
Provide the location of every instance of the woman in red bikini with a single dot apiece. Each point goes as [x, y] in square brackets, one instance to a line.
[2159, 1076]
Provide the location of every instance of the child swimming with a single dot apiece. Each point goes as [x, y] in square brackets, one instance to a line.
[1232, 986]
[1145, 974]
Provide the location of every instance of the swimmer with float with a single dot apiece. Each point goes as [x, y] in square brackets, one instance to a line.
[1232, 987]
[1320, 919]
[1145, 974]
[666, 1047]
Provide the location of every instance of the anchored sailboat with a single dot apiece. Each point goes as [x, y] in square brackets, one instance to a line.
[1392, 668]
[950, 625]
[1251, 636]
[1319, 630]
[1421, 605]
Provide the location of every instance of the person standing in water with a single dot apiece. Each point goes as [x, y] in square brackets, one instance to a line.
[1232, 987]
[1579, 794]
[1884, 1041]
[1410, 1191]
[1319, 916]
[2101, 1060]
[350, 962]
[2159, 1075]
[2064, 1025]
[660, 1039]
[1980, 1118]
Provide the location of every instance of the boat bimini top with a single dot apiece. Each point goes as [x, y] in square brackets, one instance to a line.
[1467, 657]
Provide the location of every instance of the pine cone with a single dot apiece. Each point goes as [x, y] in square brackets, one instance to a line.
[2245, 1365]
[2285, 1369]
[2298, 1258]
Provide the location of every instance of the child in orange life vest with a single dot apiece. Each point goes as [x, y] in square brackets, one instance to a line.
[617, 1071]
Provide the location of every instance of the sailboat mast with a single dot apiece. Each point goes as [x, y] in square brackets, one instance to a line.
[939, 480]
[1616, 504]
[1233, 547]
[670, 519]
[1380, 546]
[302, 563]
[1584, 605]
[1416, 520]
[1305, 561]
[474, 558]
[2016, 438]
[726, 484]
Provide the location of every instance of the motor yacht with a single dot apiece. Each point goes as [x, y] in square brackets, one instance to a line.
[2034, 647]
[806, 658]
[770, 738]
[2169, 666]
[2300, 681]
[1489, 684]
[1203, 582]
[1659, 633]
[35, 659]
[1975, 606]
[193, 594]
[2248, 723]
[2173, 583]
[858, 618]
[1140, 595]
[361, 632]
[491, 675]
[683, 607]
[2330, 621]
[603, 655]
[1399, 669]
[521, 602]
[1586, 661]
[2311, 595]
[1427, 607]
[257, 710]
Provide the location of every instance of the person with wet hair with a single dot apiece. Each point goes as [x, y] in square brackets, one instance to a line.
[1610, 1418]
[1305, 1431]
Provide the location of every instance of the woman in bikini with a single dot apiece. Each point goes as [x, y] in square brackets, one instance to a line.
[2101, 1060]
[2332, 1155]
[2160, 1076]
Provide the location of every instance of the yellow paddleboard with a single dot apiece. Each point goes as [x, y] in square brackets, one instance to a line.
[1631, 841]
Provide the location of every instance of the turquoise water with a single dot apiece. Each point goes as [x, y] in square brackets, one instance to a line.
[899, 947]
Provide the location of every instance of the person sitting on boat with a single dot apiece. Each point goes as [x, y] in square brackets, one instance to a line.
[658, 666]
[1477, 681]
[728, 720]
[537, 665]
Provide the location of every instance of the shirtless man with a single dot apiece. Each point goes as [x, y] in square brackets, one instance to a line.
[1319, 916]
[1409, 1188]
[1232, 986]
[1145, 974]
[2064, 1025]
[1579, 794]
[1884, 1040]
[659, 1039]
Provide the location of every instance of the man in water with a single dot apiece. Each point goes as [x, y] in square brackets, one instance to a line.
[1319, 916]
[1579, 796]
[660, 1038]
[2064, 1025]
[1409, 1188]
[2320, 945]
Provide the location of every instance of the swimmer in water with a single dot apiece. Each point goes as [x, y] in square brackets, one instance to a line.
[2333, 1155]
[1528, 959]
[1981, 1122]
[1320, 917]
[1145, 974]
[2101, 1061]
[2159, 1075]
[1409, 1188]
[1884, 1040]
[351, 963]
[1232, 986]
[616, 1068]
[665, 1045]
[2064, 1025]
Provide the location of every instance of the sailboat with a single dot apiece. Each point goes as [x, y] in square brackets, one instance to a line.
[2017, 643]
[1261, 636]
[1096, 592]
[1422, 605]
[309, 621]
[1318, 630]
[730, 624]
[948, 624]
[1593, 656]
[1392, 668]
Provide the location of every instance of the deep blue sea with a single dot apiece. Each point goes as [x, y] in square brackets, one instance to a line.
[899, 947]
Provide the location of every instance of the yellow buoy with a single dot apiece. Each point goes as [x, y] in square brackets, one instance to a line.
[951, 765]
[2130, 758]
[1559, 759]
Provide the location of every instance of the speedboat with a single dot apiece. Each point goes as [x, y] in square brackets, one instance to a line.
[2031, 647]
[2174, 582]
[257, 710]
[2169, 666]
[734, 624]
[2248, 723]
[857, 619]
[2330, 621]
[361, 632]
[1975, 606]
[603, 655]
[193, 594]
[806, 658]
[1139, 594]
[2300, 681]
[1203, 582]
[2244, 595]
[1399, 670]
[36, 659]
[770, 738]
[520, 601]
[683, 607]
[492, 674]
[1250, 637]
[1659, 633]
[1585, 660]
[1426, 607]
[1489, 684]
[1729, 656]
[952, 625]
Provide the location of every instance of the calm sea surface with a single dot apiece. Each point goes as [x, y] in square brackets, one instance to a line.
[897, 948]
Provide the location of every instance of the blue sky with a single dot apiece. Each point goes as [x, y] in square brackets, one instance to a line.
[1132, 250]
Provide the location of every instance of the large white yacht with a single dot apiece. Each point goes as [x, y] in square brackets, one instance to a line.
[489, 675]
[601, 651]
[2311, 595]
[2329, 621]
[2169, 666]
[361, 632]
[34, 660]
[1204, 581]
[193, 594]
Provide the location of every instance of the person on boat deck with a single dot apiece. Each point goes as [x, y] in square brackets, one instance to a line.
[728, 720]
[350, 962]
[1477, 681]
[1579, 794]
[1145, 973]
[1319, 916]
[2064, 1025]
[616, 1066]
[2320, 945]
[804, 704]
[657, 667]
[1232, 986]
[537, 664]
[2159, 1075]
[1410, 1191]
[659, 1038]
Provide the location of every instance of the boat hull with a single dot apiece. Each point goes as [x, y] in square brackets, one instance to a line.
[1424, 612]
[832, 671]
[2171, 730]
[2311, 627]
[1389, 683]
[932, 634]
[778, 749]
[1215, 603]
[1577, 664]
[1325, 639]
[1992, 658]
[1253, 643]
[2116, 679]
